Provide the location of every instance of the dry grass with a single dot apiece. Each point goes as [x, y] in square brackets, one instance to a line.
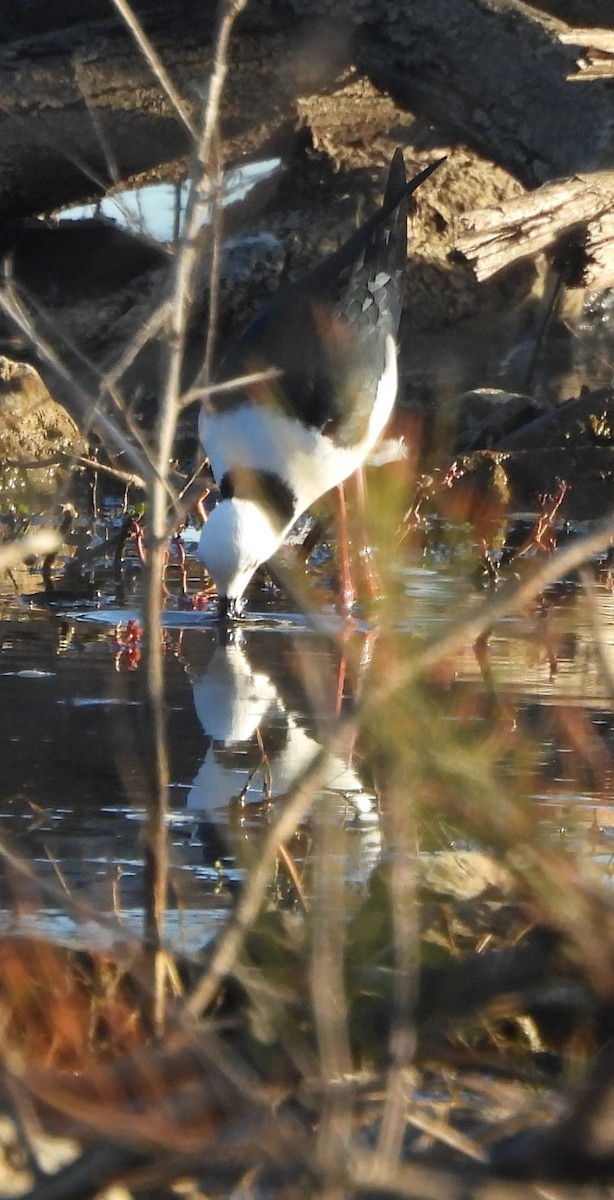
[383, 1045]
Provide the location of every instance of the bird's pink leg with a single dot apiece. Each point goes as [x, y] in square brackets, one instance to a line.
[370, 574]
[347, 591]
[372, 578]
[199, 506]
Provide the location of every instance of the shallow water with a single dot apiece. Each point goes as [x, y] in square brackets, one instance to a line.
[239, 729]
[157, 210]
[243, 719]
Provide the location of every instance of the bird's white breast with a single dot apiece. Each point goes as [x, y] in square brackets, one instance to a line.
[268, 438]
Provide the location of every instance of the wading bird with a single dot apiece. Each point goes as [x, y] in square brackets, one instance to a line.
[327, 344]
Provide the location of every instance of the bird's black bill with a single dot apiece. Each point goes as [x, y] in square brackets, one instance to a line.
[414, 184]
[229, 609]
[346, 254]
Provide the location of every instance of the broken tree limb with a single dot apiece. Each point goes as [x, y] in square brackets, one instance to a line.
[496, 74]
[578, 210]
[80, 107]
[596, 59]
[82, 110]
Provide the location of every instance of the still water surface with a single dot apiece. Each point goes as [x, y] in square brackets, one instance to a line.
[243, 719]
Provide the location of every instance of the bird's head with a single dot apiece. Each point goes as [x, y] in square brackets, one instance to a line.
[236, 539]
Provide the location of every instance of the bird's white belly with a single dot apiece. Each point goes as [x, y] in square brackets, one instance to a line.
[262, 438]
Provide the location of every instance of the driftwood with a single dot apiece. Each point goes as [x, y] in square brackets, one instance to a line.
[596, 60]
[496, 76]
[578, 210]
[81, 108]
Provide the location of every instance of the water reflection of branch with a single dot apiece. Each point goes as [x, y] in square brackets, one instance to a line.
[83, 910]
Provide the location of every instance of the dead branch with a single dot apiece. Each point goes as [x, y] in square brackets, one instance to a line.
[84, 109]
[579, 209]
[596, 60]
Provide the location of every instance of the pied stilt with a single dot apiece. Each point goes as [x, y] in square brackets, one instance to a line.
[277, 445]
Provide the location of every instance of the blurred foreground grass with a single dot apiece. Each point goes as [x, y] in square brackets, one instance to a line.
[443, 1030]
[439, 1027]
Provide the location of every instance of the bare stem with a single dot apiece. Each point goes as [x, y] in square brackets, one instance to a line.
[155, 854]
[155, 62]
[158, 527]
[328, 998]
[401, 838]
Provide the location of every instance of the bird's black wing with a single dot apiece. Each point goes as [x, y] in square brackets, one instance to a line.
[325, 335]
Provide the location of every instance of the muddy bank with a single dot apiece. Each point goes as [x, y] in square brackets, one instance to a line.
[37, 438]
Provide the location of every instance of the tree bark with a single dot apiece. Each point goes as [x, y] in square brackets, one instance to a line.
[579, 210]
[580, 12]
[496, 76]
[596, 59]
[79, 108]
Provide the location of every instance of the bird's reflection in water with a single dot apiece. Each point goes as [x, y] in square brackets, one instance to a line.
[259, 715]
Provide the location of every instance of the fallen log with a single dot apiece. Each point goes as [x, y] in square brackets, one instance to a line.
[80, 108]
[596, 60]
[572, 219]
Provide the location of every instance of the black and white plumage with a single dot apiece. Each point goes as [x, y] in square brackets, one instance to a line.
[276, 446]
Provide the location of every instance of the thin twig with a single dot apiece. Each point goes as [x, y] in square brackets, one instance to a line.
[155, 62]
[401, 838]
[79, 460]
[184, 278]
[446, 1134]
[196, 208]
[555, 298]
[146, 332]
[106, 380]
[35, 464]
[69, 153]
[214, 270]
[370, 1174]
[105, 143]
[87, 404]
[230, 385]
[62, 459]
[328, 997]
